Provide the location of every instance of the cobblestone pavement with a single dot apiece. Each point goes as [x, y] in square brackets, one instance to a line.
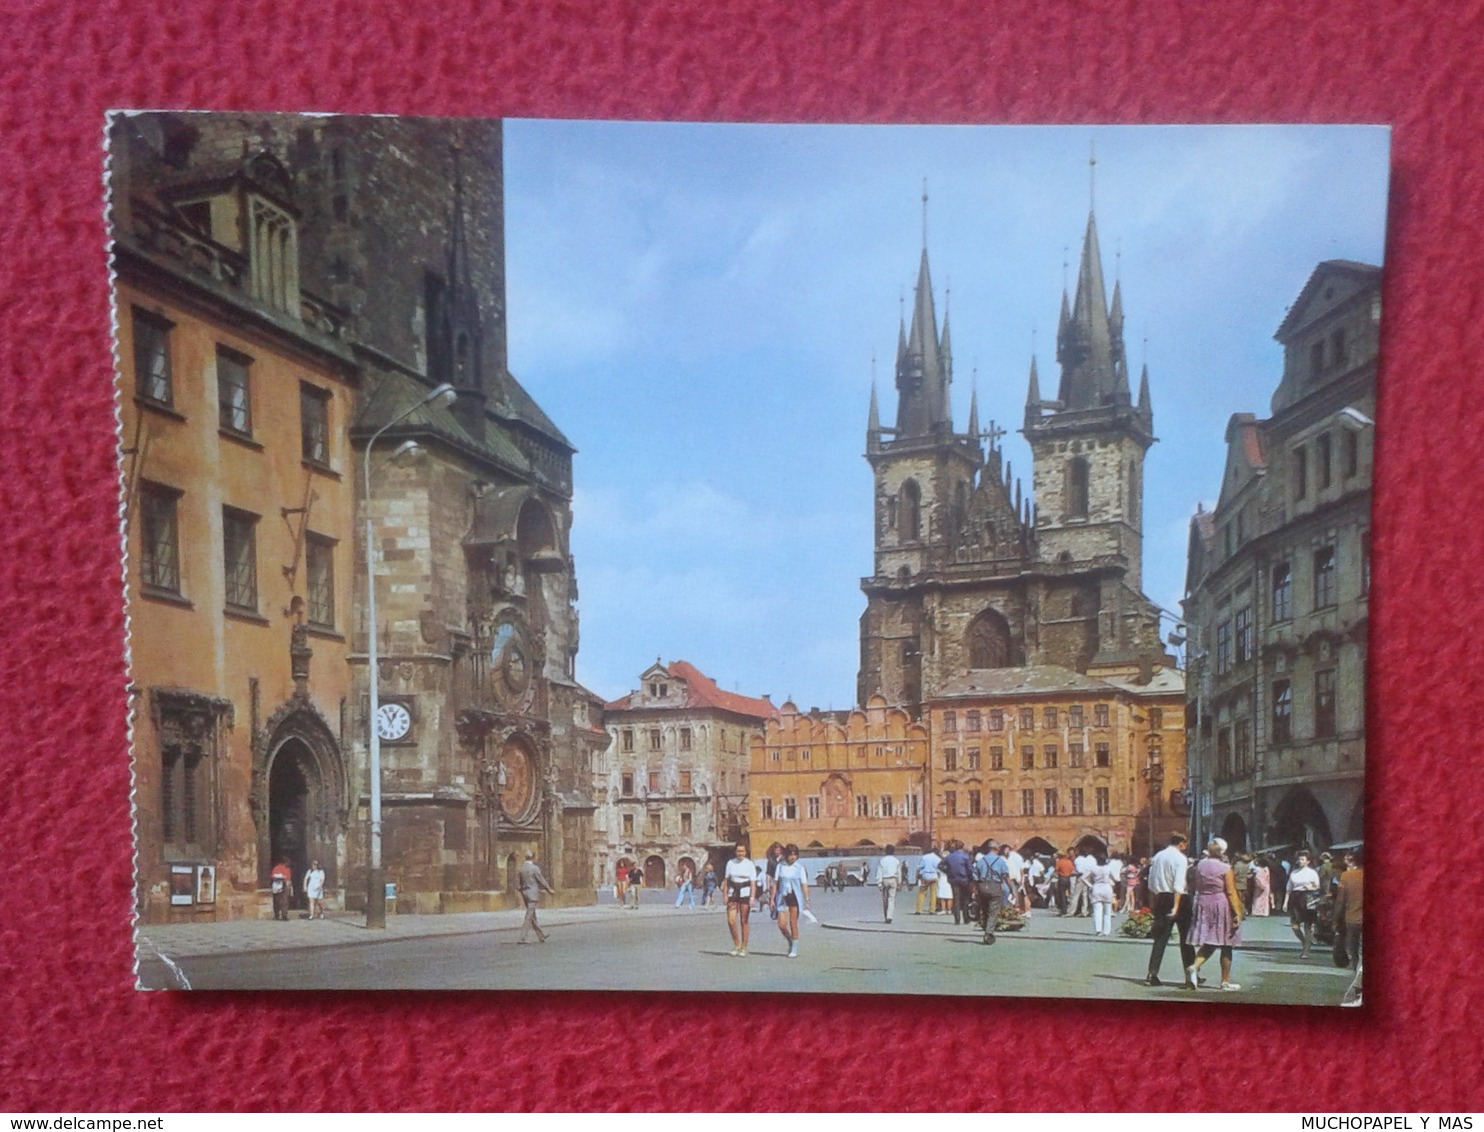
[659, 947]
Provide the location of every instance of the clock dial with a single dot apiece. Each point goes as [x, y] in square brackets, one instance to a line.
[393, 721]
[510, 667]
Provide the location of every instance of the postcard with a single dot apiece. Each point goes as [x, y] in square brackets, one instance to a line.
[720, 557]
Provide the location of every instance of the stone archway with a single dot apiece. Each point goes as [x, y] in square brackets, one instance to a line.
[299, 798]
[1299, 821]
[654, 872]
[1234, 833]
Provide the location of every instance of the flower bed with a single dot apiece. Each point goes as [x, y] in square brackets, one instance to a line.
[1138, 925]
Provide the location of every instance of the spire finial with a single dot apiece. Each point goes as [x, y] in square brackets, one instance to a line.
[1065, 254]
[924, 213]
[1092, 175]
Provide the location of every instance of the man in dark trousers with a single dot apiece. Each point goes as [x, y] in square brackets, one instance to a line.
[1167, 892]
[532, 882]
[960, 869]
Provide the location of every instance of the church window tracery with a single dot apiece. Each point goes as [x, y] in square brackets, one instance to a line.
[989, 641]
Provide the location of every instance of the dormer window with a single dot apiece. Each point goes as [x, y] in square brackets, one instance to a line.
[273, 255]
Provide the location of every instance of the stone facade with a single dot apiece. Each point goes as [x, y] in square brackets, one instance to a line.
[385, 237]
[969, 573]
[1047, 758]
[836, 780]
[673, 782]
[1278, 586]
[235, 401]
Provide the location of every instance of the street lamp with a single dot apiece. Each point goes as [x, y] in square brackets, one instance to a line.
[376, 894]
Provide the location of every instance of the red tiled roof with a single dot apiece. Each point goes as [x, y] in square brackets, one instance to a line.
[702, 692]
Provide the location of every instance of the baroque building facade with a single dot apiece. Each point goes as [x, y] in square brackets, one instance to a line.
[673, 782]
[1278, 585]
[373, 250]
[1047, 758]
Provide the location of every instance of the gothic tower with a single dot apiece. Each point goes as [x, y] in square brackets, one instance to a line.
[940, 503]
[1088, 449]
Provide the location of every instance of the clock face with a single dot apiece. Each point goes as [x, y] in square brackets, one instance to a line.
[510, 670]
[393, 721]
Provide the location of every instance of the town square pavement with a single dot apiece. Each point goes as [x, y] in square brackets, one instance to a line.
[660, 947]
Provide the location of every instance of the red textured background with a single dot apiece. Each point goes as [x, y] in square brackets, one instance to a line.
[73, 1034]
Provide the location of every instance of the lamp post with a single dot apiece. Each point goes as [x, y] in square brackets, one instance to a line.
[376, 881]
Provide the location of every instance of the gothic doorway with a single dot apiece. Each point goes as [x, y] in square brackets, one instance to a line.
[299, 797]
[289, 808]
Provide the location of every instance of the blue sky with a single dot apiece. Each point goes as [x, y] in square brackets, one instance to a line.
[698, 306]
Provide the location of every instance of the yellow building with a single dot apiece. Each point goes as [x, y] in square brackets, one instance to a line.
[235, 397]
[1045, 757]
[839, 779]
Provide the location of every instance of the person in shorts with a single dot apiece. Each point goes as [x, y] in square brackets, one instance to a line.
[740, 881]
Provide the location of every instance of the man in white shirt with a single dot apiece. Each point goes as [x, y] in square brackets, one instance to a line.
[1082, 885]
[889, 877]
[1167, 892]
[1018, 898]
[927, 881]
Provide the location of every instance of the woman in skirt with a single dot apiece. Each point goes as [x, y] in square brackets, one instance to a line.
[1216, 920]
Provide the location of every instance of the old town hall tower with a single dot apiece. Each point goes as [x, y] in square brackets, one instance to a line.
[969, 572]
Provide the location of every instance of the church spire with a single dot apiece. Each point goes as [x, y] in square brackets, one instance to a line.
[924, 369]
[1145, 409]
[455, 353]
[1089, 341]
[1033, 396]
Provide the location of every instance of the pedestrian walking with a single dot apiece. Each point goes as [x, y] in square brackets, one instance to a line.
[959, 867]
[621, 883]
[1303, 902]
[1081, 885]
[1166, 879]
[991, 887]
[927, 881]
[1262, 888]
[708, 886]
[741, 882]
[791, 893]
[636, 883]
[314, 889]
[684, 886]
[1100, 881]
[1348, 919]
[281, 883]
[889, 877]
[766, 876]
[532, 883]
[1216, 919]
[1065, 870]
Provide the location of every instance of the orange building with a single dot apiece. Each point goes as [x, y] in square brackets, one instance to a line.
[1051, 758]
[236, 393]
[839, 779]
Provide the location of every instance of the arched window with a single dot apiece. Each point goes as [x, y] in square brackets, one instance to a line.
[989, 641]
[1077, 481]
[911, 510]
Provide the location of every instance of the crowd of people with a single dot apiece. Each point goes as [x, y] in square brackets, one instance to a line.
[1204, 899]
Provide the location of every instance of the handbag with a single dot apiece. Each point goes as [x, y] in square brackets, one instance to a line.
[1312, 900]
